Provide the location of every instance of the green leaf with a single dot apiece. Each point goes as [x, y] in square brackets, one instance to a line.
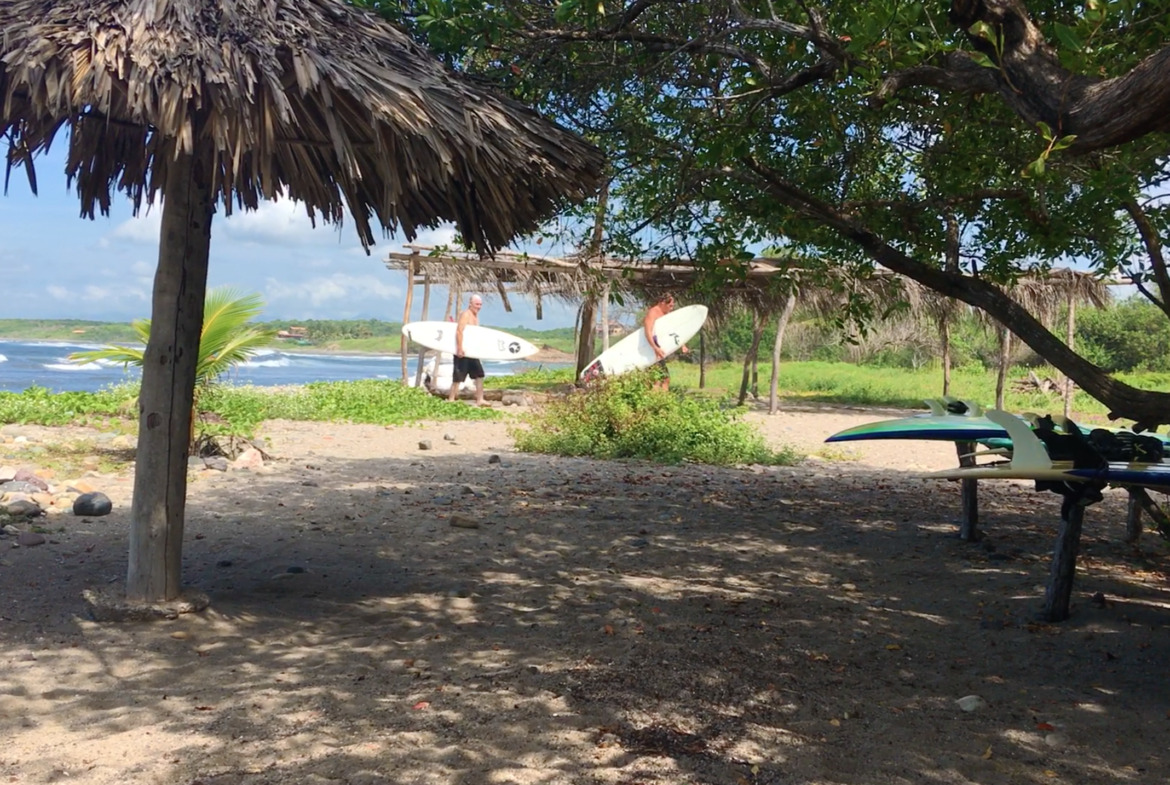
[566, 10]
[1068, 37]
[1034, 169]
[983, 60]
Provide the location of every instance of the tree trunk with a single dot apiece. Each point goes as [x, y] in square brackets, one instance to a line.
[753, 350]
[585, 336]
[949, 307]
[944, 330]
[589, 308]
[1070, 334]
[781, 326]
[168, 384]
[1005, 355]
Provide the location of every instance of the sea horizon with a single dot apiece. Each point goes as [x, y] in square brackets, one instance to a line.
[45, 363]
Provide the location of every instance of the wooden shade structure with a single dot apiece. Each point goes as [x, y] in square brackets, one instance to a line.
[213, 105]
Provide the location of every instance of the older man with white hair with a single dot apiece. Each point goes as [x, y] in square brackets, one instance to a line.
[465, 366]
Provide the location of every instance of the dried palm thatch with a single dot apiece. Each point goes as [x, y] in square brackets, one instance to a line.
[313, 100]
[207, 103]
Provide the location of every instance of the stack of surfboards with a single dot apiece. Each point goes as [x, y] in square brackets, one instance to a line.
[1015, 437]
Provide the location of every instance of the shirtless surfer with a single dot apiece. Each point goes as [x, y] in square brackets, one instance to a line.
[663, 306]
[464, 366]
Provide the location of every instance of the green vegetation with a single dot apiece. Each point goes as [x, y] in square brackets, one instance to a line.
[238, 410]
[104, 409]
[66, 330]
[539, 379]
[376, 401]
[625, 417]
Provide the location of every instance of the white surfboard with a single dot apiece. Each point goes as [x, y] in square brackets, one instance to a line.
[483, 343]
[634, 351]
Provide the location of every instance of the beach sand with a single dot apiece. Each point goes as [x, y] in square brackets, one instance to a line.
[605, 622]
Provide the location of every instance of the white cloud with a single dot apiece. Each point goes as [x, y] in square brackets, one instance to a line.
[143, 230]
[118, 294]
[335, 293]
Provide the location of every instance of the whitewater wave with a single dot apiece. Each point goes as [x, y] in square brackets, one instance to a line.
[74, 366]
[277, 361]
[3, 359]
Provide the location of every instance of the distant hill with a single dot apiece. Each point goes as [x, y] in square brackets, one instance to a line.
[361, 335]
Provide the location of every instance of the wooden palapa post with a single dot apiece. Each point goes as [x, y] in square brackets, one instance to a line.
[406, 312]
[169, 367]
[422, 352]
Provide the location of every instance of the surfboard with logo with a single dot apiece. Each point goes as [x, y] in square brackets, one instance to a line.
[635, 352]
[483, 343]
[1031, 461]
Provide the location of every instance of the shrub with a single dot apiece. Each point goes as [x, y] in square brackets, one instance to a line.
[41, 406]
[623, 417]
[1131, 336]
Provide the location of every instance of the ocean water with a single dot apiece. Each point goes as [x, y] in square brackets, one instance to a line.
[46, 364]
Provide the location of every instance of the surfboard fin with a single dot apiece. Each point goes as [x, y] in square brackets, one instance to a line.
[1028, 452]
[936, 406]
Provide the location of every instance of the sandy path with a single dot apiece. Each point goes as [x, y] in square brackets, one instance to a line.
[605, 622]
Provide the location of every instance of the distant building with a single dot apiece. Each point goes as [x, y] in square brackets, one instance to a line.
[293, 334]
[615, 328]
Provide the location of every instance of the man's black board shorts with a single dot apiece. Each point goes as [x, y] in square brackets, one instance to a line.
[466, 367]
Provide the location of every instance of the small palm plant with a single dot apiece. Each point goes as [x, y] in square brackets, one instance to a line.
[225, 341]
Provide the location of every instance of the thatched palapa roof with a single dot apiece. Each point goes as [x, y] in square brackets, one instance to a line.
[309, 99]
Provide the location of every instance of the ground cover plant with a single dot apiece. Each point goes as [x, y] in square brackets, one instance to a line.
[625, 417]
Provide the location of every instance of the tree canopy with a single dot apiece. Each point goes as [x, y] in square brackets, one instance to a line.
[957, 143]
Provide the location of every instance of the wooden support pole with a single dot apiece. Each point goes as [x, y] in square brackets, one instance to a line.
[605, 317]
[702, 359]
[1133, 517]
[406, 313]
[422, 352]
[969, 522]
[781, 326]
[450, 302]
[1064, 565]
[750, 358]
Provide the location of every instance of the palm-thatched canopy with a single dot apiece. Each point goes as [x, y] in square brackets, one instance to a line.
[313, 99]
[214, 104]
[754, 285]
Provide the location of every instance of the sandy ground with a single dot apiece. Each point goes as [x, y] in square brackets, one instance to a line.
[612, 623]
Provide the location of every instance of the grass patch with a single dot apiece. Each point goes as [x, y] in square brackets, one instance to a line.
[624, 417]
[538, 379]
[379, 402]
[902, 388]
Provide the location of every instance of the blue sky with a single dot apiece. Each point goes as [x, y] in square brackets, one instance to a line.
[56, 265]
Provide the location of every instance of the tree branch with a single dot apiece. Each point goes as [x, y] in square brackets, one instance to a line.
[1147, 408]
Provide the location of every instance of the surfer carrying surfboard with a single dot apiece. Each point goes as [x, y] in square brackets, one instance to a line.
[663, 306]
[465, 367]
